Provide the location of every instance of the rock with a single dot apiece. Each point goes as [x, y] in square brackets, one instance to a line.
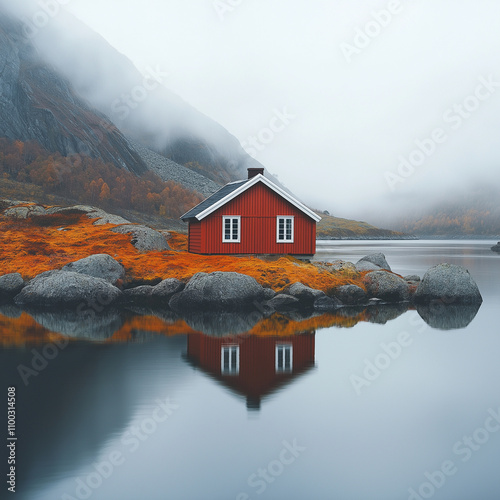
[376, 258]
[448, 317]
[283, 302]
[68, 289]
[144, 238]
[412, 278]
[269, 293]
[496, 248]
[448, 283]
[154, 295]
[367, 266]
[218, 291]
[166, 289]
[350, 295]
[24, 212]
[139, 294]
[341, 265]
[386, 286]
[326, 304]
[304, 294]
[99, 266]
[10, 285]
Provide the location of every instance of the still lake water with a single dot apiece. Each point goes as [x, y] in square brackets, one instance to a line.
[156, 419]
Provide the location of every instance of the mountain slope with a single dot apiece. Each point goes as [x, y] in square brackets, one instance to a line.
[140, 104]
[37, 104]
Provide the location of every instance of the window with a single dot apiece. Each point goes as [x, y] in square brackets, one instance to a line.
[231, 229]
[230, 360]
[285, 230]
[284, 358]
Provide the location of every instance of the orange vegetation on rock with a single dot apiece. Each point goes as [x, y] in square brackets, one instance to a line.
[42, 243]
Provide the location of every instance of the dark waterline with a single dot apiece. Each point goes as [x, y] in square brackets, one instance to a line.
[179, 428]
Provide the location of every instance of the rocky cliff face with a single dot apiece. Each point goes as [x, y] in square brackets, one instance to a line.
[36, 103]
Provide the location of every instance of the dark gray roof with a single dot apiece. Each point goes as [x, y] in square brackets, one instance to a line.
[211, 200]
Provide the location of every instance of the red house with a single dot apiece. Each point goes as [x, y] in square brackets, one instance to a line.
[253, 216]
[253, 367]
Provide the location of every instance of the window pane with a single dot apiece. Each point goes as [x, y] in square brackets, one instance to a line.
[235, 229]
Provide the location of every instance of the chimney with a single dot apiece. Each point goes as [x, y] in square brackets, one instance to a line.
[252, 172]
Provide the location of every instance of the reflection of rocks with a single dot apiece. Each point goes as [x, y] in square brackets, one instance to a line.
[90, 327]
[383, 313]
[448, 283]
[223, 323]
[10, 311]
[448, 317]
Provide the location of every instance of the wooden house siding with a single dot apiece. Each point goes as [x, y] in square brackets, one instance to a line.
[258, 208]
[194, 237]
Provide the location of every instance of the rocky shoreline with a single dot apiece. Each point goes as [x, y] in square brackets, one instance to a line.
[97, 281]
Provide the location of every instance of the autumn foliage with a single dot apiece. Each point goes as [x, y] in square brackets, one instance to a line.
[91, 181]
[37, 244]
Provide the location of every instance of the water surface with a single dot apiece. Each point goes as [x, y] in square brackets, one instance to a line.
[156, 416]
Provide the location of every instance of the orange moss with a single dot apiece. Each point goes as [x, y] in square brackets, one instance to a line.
[178, 241]
[35, 245]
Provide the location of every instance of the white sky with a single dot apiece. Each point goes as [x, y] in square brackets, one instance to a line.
[352, 120]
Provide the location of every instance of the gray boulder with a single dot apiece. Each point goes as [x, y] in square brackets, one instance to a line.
[283, 302]
[342, 265]
[10, 285]
[218, 291]
[155, 295]
[144, 238]
[166, 289]
[99, 266]
[367, 266]
[326, 304]
[350, 295]
[304, 294]
[386, 286]
[68, 289]
[376, 258]
[449, 284]
[413, 278]
[496, 248]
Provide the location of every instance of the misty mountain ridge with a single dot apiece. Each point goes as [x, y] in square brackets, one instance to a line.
[68, 90]
[471, 212]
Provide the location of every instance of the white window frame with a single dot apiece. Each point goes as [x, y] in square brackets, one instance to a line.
[231, 219]
[283, 368]
[284, 218]
[232, 370]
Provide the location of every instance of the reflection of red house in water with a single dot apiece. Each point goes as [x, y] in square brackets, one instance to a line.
[254, 367]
